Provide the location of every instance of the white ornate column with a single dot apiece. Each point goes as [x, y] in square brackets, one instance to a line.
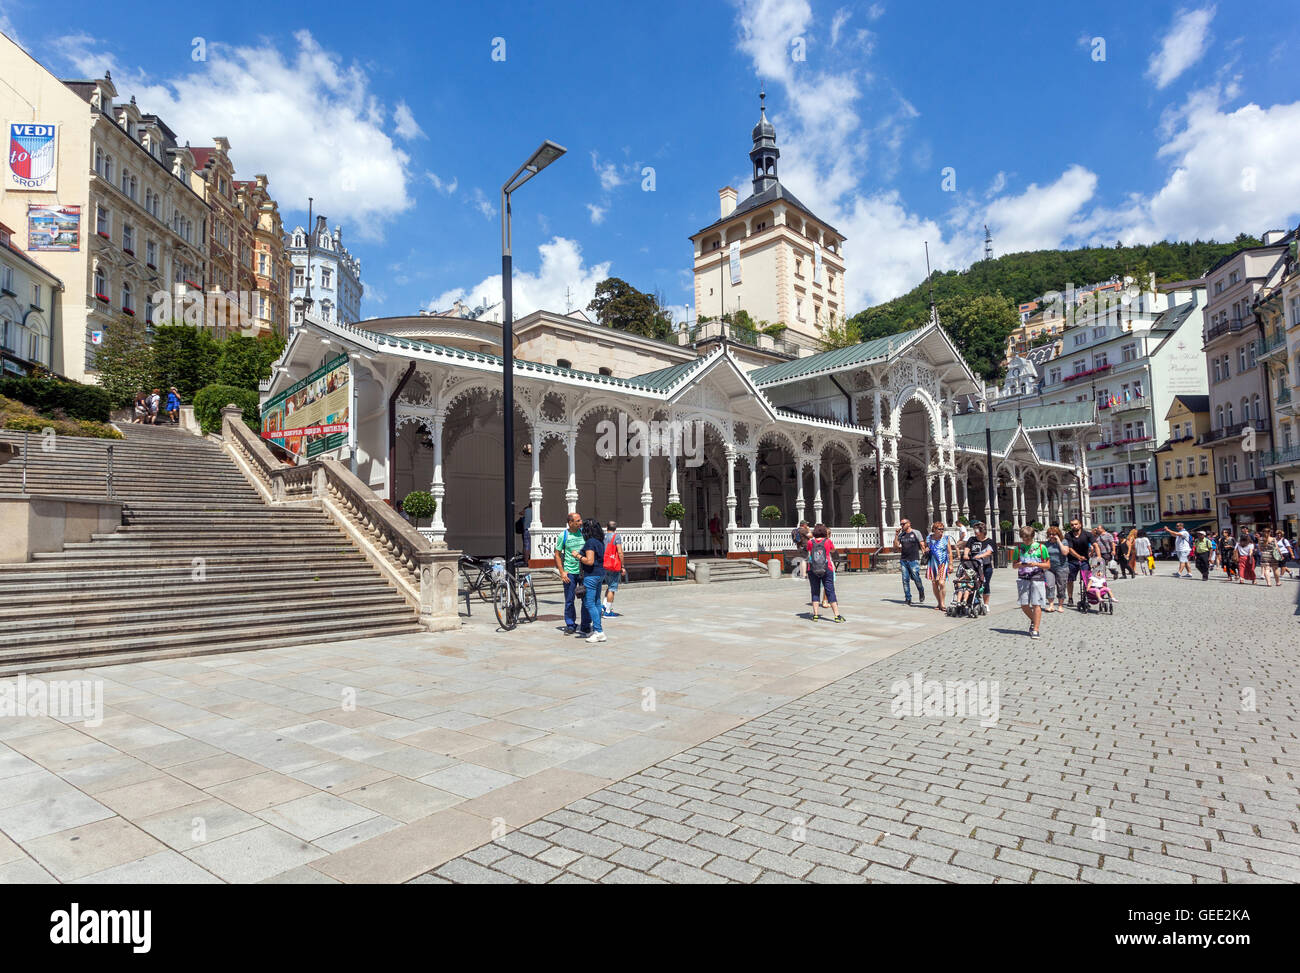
[571, 489]
[817, 491]
[729, 452]
[437, 487]
[535, 487]
[943, 498]
[752, 458]
[929, 503]
[895, 500]
[857, 498]
[801, 513]
[647, 497]
[674, 495]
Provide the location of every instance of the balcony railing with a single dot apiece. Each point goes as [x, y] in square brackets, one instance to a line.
[1124, 484]
[1120, 442]
[1290, 456]
[1223, 327]
[1227, 432]
[1271, 343]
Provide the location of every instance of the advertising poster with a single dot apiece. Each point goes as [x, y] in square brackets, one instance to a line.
[310, 417]
[33, 154]
[53, 227]
[734, 254]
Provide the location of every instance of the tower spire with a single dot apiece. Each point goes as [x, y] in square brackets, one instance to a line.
[764, 153]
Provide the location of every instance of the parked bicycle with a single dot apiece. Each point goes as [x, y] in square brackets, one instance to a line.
[476, 576]
[513, 595]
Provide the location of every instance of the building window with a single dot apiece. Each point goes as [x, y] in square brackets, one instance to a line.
[563, 363]
[103, 221]
[605, 371]
[298, 277]
[1216, 370]
[1288, 491]
[1205, 464]
[1227, 414]
[326, 277]
[1178, 468]
[128, 302]
[1129, 352]
[151, 254]
[128, 238]
[1167, 469]
[1099, 360]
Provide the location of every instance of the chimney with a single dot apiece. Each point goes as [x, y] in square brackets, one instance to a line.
[727, 200]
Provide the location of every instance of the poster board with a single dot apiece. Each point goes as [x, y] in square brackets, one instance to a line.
[311, 416]
[51, 227]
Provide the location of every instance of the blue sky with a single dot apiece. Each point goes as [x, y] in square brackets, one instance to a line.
[1061, 126]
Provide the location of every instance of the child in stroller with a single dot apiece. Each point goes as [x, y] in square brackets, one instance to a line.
[1097, 593]
[968, 590]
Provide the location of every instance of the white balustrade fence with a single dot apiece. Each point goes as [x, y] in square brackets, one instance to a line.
[635, 540]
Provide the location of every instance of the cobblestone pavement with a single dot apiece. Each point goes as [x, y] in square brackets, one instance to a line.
[1155, 745]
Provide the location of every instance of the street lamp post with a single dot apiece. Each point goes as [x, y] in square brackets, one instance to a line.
[539, 160]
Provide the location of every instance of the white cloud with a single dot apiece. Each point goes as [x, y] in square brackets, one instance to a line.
[876, 11]
[1230, 171]
[1183, 46]
[607, 171]
[407, 127]
[562, 277]
[483, 204]
[1042, 216]
[837, 24]
[442, 185]
[308, 120]
[597, 213]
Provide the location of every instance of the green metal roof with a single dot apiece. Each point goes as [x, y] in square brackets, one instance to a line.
[665, 378]
[876, 349]
[1031, 417]
[975, 440]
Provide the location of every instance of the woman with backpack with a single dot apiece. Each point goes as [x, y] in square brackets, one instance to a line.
[821, 571]
[938, 558]
[613, 564]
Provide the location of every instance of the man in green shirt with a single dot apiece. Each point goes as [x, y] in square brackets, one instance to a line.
[567, 548]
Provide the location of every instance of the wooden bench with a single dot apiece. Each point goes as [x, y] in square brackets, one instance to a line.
[641, 564]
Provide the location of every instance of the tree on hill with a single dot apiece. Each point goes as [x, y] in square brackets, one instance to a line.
[619, 305]
[980, 327]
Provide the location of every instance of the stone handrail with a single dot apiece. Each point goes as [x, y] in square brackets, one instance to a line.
[425, 571]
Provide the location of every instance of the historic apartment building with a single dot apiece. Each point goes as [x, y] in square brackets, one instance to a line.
[111, 214]
[1240, 434]
[1184, 466]
[770, 256]
[29, 305]
[269, 305]
[1278, 314]
[335, 274]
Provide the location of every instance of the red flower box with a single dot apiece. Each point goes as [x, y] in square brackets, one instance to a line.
[128, 250]
[102, 233]
[127, 310]
[102, 297]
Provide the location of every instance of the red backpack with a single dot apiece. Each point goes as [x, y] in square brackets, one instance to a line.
[612, 561]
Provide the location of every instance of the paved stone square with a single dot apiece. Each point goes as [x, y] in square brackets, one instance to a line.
[378, 760]
[1157, 745]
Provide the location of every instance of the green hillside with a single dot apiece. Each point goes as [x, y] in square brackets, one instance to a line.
[981, 327]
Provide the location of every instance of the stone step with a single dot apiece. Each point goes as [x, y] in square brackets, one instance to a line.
[165, 607]
[215, 534]
[146, 562]
[175, 625]
[57, 587]
[36, 663]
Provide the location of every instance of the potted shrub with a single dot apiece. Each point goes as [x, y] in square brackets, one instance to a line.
[1006, 531]
[858, 560]
[674, 513]
[418, 504]
[857, 522]
[771, 514]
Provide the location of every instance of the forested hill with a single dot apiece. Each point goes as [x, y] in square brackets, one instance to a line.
[1020, 277]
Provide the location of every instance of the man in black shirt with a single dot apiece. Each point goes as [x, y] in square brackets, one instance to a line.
[1080, 548]
[908, 543]
[980, 549]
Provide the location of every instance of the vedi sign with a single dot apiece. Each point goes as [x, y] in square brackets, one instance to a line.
[33, 157]
[311, 417]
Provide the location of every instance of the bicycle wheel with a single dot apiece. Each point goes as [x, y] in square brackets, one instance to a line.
[506, 605]
[527, 598]
[484, 586]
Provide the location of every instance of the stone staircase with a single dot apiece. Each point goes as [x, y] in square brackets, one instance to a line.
[201, 564]
[731, 569]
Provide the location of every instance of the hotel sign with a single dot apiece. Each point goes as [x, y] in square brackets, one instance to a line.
[33, 157]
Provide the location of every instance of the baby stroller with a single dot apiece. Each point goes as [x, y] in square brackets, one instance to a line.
[1096, 593]
[968, 592]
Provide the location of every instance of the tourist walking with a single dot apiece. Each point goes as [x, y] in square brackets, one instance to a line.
[1142, 553]
[799, 537]
[908, 544]
[1032, 561]
[938, 558]
[141, 409]
[1270, 559]
[821, 572]
[1082, 548]
[1105, 545]
[613, 564]
[715, 535]
[1202, 550]
[1245, 550]
[1057, 575]
[567, 547]
[155, 403]
[981, 550]
[1124, 554]
[174, 406]
[1286, 550]
[593, 576]
[1228, 559]
[1183, 550]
